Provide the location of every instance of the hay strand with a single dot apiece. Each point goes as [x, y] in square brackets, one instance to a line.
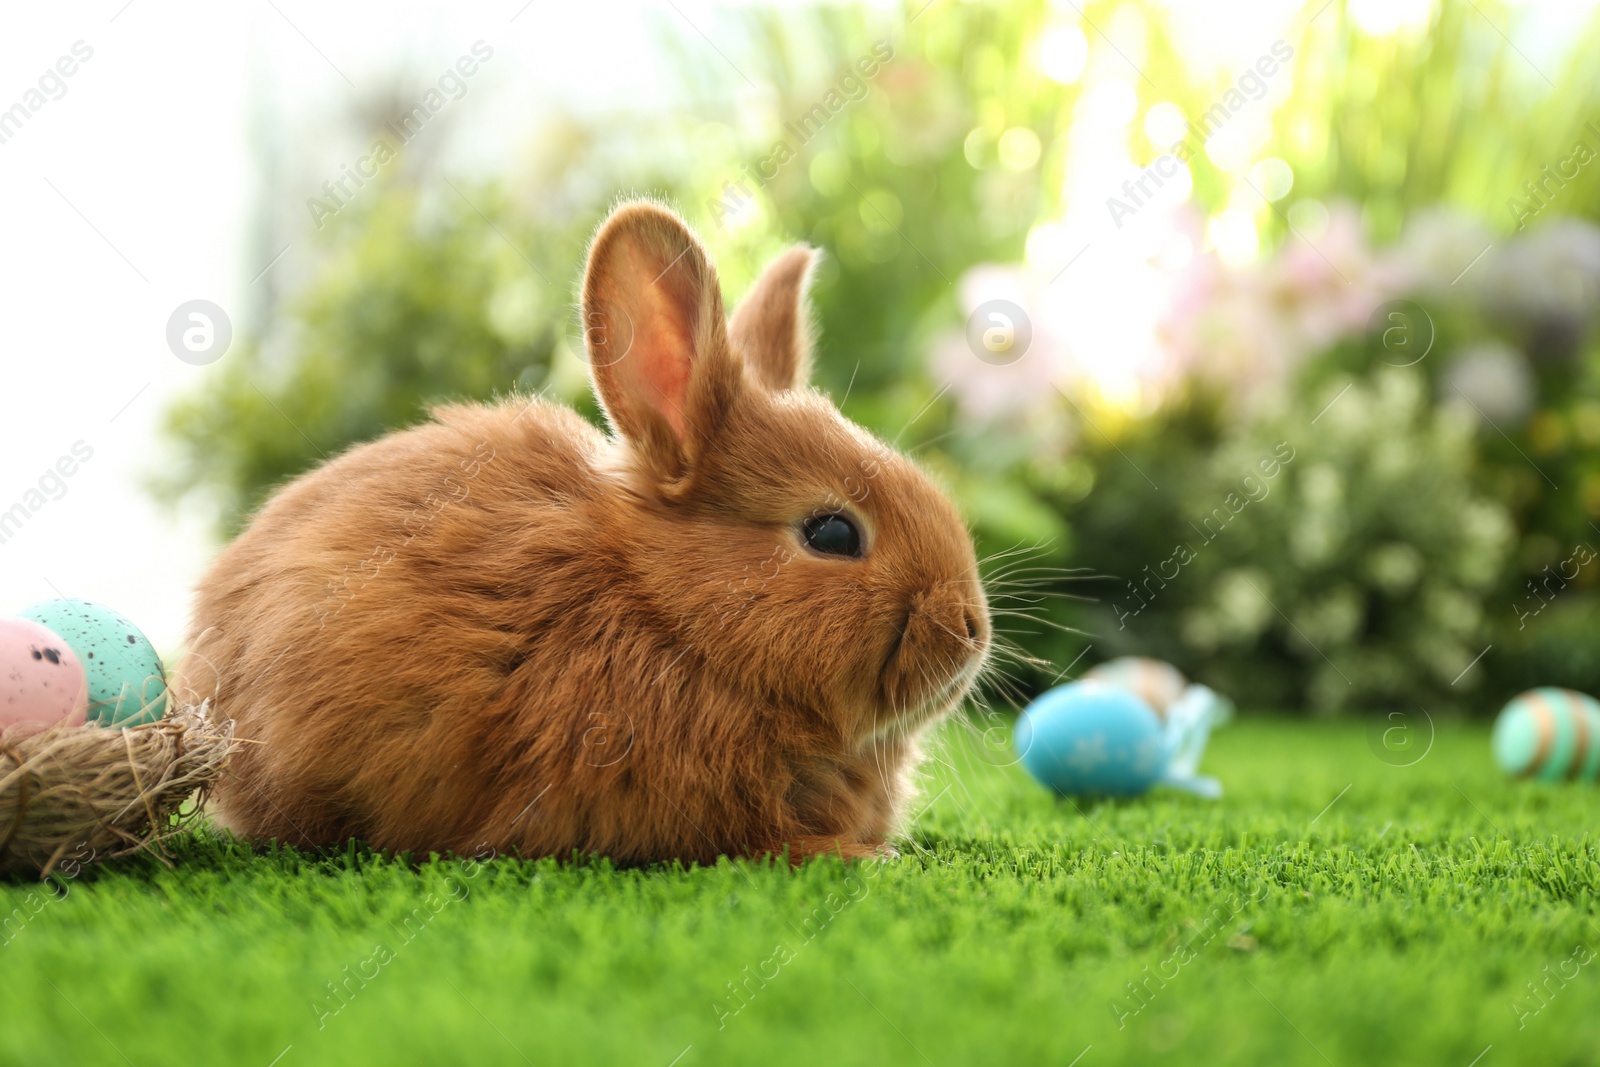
[115, 791]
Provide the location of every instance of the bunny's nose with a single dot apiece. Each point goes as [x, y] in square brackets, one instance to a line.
[977, 621]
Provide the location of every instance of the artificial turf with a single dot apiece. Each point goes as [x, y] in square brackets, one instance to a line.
[1330, 909]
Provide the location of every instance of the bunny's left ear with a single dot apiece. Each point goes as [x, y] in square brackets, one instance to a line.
[771, 328]
[658, 346]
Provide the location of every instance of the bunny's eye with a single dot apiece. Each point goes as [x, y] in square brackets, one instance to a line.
[832, 535]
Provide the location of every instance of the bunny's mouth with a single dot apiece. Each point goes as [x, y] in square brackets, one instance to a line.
[899, 720]
[950, 696]
[936, 698]
[936, 658]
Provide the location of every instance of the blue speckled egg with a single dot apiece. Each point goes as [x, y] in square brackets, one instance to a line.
[1091, 738]
[127, 685]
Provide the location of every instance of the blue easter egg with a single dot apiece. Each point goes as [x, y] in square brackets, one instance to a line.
[1090, 738]
[1550, 735]
[127, 684]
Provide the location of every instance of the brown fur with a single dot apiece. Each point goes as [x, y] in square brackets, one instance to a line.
[506, 629]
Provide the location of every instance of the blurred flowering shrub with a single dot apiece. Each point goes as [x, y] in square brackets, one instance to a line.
[1358, 577]
[1469, 356]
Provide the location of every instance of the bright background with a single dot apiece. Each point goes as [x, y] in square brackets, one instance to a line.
[1245, 305]
[164, 141]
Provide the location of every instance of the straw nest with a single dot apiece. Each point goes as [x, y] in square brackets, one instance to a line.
[72, 790]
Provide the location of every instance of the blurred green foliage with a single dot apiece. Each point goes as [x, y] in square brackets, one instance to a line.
[404, 312]
[421, 294]
[1456, 115]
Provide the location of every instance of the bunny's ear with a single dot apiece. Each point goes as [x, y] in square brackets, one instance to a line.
[658, 346]
[771, 329]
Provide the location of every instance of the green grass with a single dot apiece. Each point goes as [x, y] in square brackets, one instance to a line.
[1401, 925]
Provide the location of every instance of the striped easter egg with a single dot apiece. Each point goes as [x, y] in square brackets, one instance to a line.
[1157, 683]
[1549, 735]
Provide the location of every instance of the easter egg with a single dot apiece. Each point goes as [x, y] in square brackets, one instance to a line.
[1550, 735]
[1157, 683]
[41, 681]
[127, 685]
[1090, 738]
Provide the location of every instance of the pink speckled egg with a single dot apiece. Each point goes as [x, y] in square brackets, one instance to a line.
[41, 681]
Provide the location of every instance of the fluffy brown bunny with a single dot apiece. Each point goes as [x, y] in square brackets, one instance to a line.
[719, 630]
